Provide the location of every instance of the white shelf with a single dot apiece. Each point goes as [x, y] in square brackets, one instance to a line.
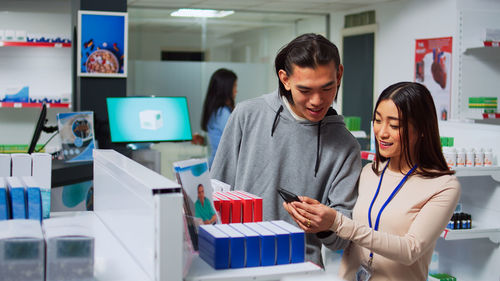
[359, 134]
[493, 171]
[475, 233]
[200, 270]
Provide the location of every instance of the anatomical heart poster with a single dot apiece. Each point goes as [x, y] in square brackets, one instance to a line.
[433, 69]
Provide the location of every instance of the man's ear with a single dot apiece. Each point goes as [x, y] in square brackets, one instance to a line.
[340, 72]
[284, 79]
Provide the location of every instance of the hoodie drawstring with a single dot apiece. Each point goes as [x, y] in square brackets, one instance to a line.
[317, 150]
[275, 123]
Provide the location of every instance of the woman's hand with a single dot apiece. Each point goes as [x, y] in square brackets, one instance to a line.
[311, 215]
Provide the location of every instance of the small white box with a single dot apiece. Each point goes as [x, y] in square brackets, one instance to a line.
[5, 165]
[42, 173]
[151, 119]
[10, 35]
[20, 35]
[21, 164]
[2, 35]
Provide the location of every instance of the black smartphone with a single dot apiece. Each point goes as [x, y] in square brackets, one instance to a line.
[287, 195]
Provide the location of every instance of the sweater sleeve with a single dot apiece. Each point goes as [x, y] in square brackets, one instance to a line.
[343, 193]
[226, 158]
[422, 234]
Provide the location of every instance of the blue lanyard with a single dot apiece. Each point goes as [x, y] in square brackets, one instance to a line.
[386, 201]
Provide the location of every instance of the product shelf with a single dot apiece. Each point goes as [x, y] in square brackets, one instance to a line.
[475, 233]
[33, 104]
[200, 270]
[493, 171]
[34, 44]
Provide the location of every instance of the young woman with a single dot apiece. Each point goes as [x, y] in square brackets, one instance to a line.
[219, 103]
[406, 198]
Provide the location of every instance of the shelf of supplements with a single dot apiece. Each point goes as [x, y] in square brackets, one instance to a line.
[475, 233]
[493, 171]
[34, 44]
[33, 104]
[200, 270]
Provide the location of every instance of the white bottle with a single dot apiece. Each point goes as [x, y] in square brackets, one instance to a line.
[488, 158]
[452, 152]
[469, 158]
[461, 157]
[479, 158]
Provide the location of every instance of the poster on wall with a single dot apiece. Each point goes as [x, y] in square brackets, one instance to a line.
[102, 44]
[433, 69]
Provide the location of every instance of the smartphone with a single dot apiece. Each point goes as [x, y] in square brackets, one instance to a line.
[287, 195]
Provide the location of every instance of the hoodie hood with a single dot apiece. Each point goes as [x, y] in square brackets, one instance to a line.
[277, 105]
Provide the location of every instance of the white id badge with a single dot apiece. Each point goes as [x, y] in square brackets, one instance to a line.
[364, 273]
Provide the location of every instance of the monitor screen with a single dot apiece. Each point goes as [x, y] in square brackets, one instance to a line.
[148, 119]
[38, 128]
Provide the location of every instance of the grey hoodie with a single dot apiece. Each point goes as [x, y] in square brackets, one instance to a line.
[249, 158]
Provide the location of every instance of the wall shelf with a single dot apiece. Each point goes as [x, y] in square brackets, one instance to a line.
[493, 171]
[475, 233]
[33, 104]
[34, 44]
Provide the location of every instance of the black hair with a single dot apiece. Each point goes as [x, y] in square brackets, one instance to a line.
[307, 50]
[415, 107]
[219, 94]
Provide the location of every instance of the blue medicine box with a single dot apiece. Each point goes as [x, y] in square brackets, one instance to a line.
[297, 241]
[17, 198]
[33, 198]
[282, 242]
[213, 246]
[267, 243]
[4, 200]
[252, 244]
[236, 246]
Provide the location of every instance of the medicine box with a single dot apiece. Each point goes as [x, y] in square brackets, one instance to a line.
[267, 244]
[297, 241]
[22, 251]
[69, 251]
[213, 246]
[282, 242]
[236, 245]
[252, 244]
[246, 206]
[33, 199]
[17, 198]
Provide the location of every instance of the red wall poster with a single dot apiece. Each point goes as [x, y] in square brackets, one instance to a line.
[433, 69]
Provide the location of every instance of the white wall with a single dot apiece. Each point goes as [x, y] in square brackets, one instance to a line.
[399, 24]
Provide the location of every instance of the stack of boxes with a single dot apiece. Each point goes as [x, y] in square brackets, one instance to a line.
[237, 206]
[25, 182]
[251, 244]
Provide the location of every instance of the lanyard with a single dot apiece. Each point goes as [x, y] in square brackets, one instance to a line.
[386, 201]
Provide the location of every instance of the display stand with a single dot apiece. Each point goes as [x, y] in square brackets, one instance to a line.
[201, 271]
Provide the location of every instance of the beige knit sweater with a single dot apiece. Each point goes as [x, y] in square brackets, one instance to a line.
[409, 226]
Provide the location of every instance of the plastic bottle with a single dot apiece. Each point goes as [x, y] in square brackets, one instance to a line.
[461, 157]
[479, 158]
[453, 157]
[488, 158]
[469, 158]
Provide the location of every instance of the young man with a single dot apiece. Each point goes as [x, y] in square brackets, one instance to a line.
[294, 139]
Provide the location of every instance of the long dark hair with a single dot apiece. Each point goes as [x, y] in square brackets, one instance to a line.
[307, 50]
[219, 94]
[416, 107]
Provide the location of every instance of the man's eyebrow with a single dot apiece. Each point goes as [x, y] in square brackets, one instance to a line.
[322, 86]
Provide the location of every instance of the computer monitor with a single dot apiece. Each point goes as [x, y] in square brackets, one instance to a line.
[38, 128]
[148, 119]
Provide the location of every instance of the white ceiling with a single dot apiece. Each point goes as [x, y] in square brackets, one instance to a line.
[279, 6]
[154, 15]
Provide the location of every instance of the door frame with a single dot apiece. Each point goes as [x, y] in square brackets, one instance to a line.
[359, 30]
